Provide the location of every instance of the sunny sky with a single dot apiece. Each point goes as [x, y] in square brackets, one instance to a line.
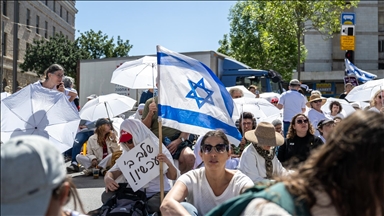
[179, 26]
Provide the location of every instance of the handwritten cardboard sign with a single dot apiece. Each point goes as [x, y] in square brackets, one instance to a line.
[140, 165]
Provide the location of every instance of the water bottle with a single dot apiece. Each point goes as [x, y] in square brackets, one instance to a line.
[166, 141]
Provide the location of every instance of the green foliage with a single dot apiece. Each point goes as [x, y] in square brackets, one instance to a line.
[98, 45]
[58, 49]
[269, 34]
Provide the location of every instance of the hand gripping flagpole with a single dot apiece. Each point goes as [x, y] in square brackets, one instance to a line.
[160, 126]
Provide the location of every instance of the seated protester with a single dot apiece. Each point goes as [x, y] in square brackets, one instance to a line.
[258, 160]
[138, 113]
[325, 127]
[100, 147]
[209, 186]
[177, 142]
[299, 143]
[245, 123]
[33, 179]
[232, 162]
[133, 132]
[333, 181]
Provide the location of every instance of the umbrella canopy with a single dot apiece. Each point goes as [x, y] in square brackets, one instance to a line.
[4, 95]
[347, 107]
[366, 91]
[246, 92]
[137, 74]
[106, 106]
[261, 109]
[39, 111]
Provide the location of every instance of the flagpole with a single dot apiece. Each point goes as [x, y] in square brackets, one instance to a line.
[160, 128]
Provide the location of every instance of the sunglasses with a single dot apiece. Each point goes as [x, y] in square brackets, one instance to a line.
[379, 96]
[219, 148]
[317, 101]
[302, 121]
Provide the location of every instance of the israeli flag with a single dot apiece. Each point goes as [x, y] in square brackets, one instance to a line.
[362, 76]
[191, 98]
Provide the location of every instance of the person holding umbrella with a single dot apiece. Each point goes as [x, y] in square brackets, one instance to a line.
[100, 147]
[53, 80]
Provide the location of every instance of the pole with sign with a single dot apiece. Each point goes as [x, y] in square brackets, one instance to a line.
[347, 35]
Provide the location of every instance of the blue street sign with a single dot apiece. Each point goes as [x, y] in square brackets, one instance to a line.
[348, 19]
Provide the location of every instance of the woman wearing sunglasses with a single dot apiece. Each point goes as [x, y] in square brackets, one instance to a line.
[377, 102]
[209, 186]
[299, 143]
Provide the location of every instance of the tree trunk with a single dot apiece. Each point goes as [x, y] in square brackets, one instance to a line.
[298, 50]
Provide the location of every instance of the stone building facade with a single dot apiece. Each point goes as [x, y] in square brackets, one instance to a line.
[37, 20]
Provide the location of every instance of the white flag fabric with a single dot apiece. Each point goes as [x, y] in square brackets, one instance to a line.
[191, 98]
[362, 76]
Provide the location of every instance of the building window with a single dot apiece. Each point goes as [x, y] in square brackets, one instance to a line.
[28, 17]
[46, 2]
[67, 17]
[46, 30]
[53, 30]
[381, 46]
[5, 8]
[37, 24]
[61, 11]
[4, 42]
[54, 5]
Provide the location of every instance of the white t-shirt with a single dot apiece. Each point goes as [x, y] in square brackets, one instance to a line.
[252, 164]
[200, 194]
[315, 116]
[292, 101]
[374, 109]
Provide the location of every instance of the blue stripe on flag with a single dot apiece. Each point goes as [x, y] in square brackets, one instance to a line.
[161, 60]
[197, 119]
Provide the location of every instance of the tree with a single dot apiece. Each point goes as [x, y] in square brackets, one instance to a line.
[280, 26]
[98, 45]
[58, 49]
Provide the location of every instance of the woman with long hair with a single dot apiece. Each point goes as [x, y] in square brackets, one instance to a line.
[299, 143]
[344, 177]
[100, 147]
[377, 102]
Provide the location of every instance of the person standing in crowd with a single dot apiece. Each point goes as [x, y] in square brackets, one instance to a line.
[209, 186]
[348, 88]
[254, 90]
[133, 132]
[33, 179]
[145, 95]
[278, 126]
[68, 85]
[293, 103]
[236, 93]
[377, 102]
[53, 80]
[316, 114]
[258, 160]
[245, 123]
[336, 109]
[299, 143]
[177, 142]
[325, 127]
[323, 185]
[100, 147]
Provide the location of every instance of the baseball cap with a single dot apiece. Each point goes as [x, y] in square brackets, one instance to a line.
[32, 168]
[102, 121]
[324, 122]
[125, 136]
[274, 100]
[294, 82]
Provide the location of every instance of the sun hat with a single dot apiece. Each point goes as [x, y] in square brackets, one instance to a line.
[32, 168]
[102, 121]
[324, 122]
[265, 135]
[294, 82]
[125, 136]
[315, 97]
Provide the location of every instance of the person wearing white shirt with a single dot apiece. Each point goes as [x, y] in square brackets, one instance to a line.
[315, 115]
[293, 103]
[377, 104]
[258, 160]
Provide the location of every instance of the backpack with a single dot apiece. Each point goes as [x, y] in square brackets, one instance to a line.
[276, 193]
[125, 202]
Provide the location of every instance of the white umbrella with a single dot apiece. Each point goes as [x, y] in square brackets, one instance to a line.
[4, 95]
[366, 91]
[261, 109]
[137, 74]
[39, 111]
[347, 107]
[246, 92]
[106, 106]
[269, 95]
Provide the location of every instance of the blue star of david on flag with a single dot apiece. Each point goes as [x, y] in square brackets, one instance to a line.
[198, 96]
